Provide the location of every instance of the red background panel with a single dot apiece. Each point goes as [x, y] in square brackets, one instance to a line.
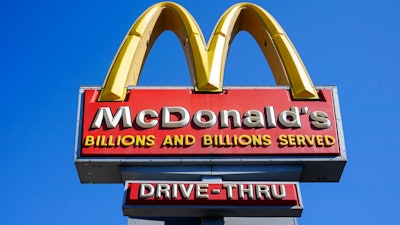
[240, 99]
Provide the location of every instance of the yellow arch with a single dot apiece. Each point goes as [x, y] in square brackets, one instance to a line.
[207, 63]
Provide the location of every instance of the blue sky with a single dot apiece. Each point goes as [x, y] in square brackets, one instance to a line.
[48, 49]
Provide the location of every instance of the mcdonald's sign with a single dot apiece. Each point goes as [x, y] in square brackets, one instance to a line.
[294, 124]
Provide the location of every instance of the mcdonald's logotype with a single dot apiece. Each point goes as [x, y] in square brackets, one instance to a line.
[123, 120]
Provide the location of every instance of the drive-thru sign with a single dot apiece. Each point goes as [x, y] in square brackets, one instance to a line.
[191, 199]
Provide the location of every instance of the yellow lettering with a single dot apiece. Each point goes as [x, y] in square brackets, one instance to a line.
[178, 140]
[300, 140]
[103, 141]
[282, 140]
[220, 141]
[189, 140]
[118, 142]
[228, 140]
[256, 140]
[127, 140]
[329, 140]
[110, 141]
[292, 140]
[167, 141]
[140, 141]
[310, 141]
[319, 140]
[242, 140]
[98, 139]
[266, 140]
[207, 140]
[89, 141]
[235, 140]
[150, 140]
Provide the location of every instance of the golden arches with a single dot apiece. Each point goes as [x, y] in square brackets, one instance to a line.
[207, 63]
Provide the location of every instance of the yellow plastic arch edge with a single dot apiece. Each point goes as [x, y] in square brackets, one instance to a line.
[207, 63]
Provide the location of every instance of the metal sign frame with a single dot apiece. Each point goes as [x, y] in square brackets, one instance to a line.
[289, 168]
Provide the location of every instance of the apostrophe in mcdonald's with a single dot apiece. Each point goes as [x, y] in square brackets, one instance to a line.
[207, 63]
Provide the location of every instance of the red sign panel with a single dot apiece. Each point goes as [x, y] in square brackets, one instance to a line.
[212, 194]
[180, 122]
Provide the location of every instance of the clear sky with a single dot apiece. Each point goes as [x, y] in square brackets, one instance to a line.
[48, 49]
